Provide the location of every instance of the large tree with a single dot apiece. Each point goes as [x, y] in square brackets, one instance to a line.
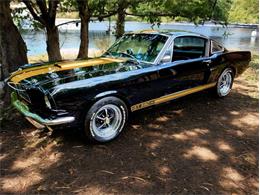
[90, 9]
[120, 7]
[12, 47]
[44, 12]
[85, 12]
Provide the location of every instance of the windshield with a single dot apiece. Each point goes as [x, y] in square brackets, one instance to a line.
[141, 47]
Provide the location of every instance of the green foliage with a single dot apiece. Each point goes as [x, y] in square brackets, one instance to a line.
[21, 16]
[197, 11]
[244, 11]
[255, 62]
[155, 11]
[68, 6]
[221, 11]
[252, 73]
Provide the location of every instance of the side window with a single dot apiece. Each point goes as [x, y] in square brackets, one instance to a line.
[188, 48]
[215, 47]
[167, 57]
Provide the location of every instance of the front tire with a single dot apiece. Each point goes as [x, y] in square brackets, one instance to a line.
[106, 119]
[225, 83]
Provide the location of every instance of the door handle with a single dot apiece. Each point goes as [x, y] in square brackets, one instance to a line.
[173, 71]
[207, 62]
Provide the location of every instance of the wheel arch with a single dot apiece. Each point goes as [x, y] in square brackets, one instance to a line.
[233, 68]
[99, 101]
[224, 68]
[114, 93]
[111, 93]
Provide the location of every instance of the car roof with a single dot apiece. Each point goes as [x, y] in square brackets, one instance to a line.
[169, 32]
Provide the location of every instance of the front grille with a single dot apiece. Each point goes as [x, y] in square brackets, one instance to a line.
[33, 95]
[21, 91]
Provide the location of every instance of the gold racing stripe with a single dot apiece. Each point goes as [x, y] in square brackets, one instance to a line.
[19, 75]
[169, 97]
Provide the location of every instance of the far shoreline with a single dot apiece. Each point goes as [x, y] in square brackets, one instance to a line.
[70, 24]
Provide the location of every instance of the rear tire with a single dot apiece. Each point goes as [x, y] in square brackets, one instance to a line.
[225, 83]
[106, 119]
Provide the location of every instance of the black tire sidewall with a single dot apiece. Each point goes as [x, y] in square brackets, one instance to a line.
[92, 111]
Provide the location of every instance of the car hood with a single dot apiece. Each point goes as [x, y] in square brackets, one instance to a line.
[50, 75]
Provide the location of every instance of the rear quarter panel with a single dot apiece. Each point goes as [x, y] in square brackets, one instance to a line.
[237, 60]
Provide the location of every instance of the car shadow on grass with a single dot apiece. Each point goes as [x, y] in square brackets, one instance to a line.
[197, 144]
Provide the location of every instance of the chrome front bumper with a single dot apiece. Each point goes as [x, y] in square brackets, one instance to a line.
[35, 119]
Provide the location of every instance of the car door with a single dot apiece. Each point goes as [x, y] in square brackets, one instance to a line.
[188, 66]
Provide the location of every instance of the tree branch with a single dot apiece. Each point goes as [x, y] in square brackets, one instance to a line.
[101, 17]
[28, 4]
[79, 21]
[213, 9]
[73, 21]
[151, 13]
[82, 7]
[43, 8]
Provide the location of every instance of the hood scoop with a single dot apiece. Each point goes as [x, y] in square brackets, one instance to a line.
[57, 65]
[86, 63]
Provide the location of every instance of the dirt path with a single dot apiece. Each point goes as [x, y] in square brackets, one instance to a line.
[197, 144]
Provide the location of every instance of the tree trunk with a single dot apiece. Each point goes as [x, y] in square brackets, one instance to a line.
[120, 23]
[53, 44]
[84, 38]
[12, 47]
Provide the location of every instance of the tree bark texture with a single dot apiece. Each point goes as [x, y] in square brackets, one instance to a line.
[84, 14]
[46, 16]
[52, 42]
[12, 47]
[120, 23]
[84, 38]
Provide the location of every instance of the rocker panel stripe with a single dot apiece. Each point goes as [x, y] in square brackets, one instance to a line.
[169, 97]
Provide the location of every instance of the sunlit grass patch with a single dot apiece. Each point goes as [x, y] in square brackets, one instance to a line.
[255, 62]
[252, 74]
[70, 15]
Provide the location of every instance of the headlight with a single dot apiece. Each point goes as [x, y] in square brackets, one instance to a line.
[47, 102]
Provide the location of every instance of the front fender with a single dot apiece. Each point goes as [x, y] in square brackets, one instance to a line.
[104, 94]
[118, 94]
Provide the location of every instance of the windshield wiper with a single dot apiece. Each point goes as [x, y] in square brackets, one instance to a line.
[131, 56]
[108, 53]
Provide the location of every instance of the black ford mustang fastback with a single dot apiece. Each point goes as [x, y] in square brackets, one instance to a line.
[139, 70]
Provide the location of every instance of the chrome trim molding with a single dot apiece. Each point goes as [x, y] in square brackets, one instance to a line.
[35, 119]
[171, 96]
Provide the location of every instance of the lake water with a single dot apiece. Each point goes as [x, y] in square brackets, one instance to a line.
[238, 38]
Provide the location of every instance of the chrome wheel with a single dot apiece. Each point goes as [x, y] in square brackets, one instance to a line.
[225, 83]
[107, 122]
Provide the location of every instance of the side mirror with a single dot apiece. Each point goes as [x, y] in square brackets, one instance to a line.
[166, 58]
